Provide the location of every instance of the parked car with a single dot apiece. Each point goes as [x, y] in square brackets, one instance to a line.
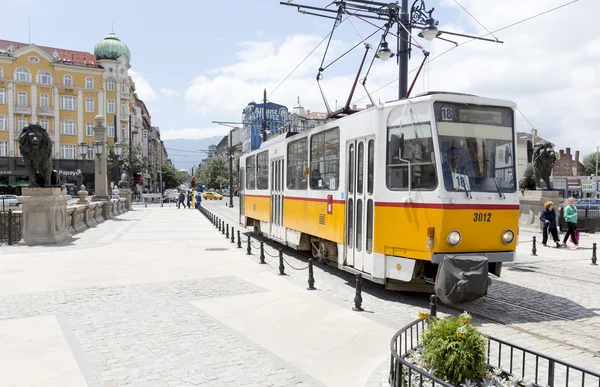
[212, 196]
[225, 192]
[9, 201]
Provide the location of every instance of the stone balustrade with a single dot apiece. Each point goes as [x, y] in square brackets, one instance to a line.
[80, 217]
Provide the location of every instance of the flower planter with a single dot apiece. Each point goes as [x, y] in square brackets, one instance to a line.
[508, 365]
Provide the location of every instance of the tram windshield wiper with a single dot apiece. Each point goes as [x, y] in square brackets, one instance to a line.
[502, 196]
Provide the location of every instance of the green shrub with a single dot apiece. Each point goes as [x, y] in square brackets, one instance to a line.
[455, 350]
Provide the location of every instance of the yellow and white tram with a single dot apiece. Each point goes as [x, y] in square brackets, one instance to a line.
[394, 190]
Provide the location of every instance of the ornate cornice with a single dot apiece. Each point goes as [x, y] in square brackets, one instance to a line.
[77, 68]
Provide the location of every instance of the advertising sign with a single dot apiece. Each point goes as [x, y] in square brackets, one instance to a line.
[587, 185]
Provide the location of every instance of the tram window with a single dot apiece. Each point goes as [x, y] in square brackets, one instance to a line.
[359, 167]
[359, 228]
[325, 160]
[262, 170]
[350, 222]
[351, 170]
[411, 144]
[297, 155]
[370, 165]
[370, 226]
[250, 172]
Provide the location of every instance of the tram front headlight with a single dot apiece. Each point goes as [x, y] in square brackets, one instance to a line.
[453, 238]
[508, 236]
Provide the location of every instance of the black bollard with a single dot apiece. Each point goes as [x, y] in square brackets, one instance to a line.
[311, 277]
[232, 235]
[227, 231]
[433, 306]
[262, 253]
[239, 245]
[594, 259]
[281, 267]
[249, 248]
[358, 296]
[534, 249]
[223, 228]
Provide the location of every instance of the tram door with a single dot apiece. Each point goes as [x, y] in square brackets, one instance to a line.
[242, 181]
[277, 229]
[359, 203]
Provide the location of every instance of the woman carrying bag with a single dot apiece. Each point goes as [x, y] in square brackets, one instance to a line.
[570, 212]
[549, 219]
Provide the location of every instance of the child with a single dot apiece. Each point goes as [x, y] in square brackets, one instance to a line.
[549, 219]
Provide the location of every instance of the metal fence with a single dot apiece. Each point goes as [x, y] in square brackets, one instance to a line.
[10, 226]
[588, 219]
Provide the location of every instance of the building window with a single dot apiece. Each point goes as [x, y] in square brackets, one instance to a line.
[44, 100]
[1, 73]
[3, 123]
[22, 75]
[45, 124]
[22, 98]
[2, 96]
[123, 108]
[68, 80]
[67, 127]
[89, 129]
[67, 152]
[89, 105]
[21, 123]
[67, 102]
[262, 170]
[325, 160]
[3, 148]
[297, 164]
[90, 153]
[111, 106]
[123, 87]
[111, 130]
[123, 129]
[44, 77]
[89, 83]
[250, 172]
[111, 85]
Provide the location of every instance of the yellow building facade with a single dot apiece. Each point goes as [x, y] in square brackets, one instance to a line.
[63, 91]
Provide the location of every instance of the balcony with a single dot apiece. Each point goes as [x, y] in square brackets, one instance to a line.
[125, 95]
[44, 111]
[23, 109]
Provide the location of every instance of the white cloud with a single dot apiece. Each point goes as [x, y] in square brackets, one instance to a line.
[192, 133]
[169, 93]
[547, 65]
[142, 87]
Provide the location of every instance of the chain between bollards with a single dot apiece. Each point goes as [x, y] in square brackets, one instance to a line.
[262, 252]
[594, 259]
[249, 248]
[281, 266]
[232, 235]
[227, 231]
[433, 306]
[358, 296]
[311, 277]
[239, 243]
[533, 248]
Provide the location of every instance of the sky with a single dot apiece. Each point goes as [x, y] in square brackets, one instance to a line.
[195, 62]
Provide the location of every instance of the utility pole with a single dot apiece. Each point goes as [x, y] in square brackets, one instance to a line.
[161, 171]
[231, 168]
[596, 186]
[264, 124]
[130, 153]
[404, 50]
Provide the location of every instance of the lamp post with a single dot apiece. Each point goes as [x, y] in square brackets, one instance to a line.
[100, 178]
[596, 186]
[117, 151]
[83, 149]
[234, 126]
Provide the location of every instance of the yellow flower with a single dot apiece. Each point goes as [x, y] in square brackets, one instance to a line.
[465, 318]
[461, 332]
[423, 314]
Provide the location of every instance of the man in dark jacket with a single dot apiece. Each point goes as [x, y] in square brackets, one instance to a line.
[181, 200]
[549, 219]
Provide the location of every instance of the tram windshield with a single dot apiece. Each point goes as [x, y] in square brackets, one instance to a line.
[477, 148]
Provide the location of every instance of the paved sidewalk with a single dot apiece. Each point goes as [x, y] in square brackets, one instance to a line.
[158, 298]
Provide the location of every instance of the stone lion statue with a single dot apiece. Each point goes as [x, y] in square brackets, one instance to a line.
[544, 158]
[36, 148]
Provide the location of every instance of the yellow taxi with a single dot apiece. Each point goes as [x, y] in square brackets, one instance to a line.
[212, 196]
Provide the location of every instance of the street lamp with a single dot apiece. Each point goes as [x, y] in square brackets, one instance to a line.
[83, 150]
[384, 52]
[118, 150]
[99, 150]
[430, 31]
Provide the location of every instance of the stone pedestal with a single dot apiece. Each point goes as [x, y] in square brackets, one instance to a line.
[45, 218]
[126, 193]
[532, 206]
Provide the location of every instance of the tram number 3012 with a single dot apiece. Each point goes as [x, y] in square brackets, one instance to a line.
[482, 217]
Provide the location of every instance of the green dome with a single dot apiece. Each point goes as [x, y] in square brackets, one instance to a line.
[111, 47]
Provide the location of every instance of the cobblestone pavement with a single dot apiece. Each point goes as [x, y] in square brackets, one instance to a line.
[548, 303]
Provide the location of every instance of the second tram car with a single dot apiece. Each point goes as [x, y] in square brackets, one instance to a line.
[409, 193]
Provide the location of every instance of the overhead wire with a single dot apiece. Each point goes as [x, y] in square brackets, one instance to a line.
[471, 40]
[529, 122]
[474, 18]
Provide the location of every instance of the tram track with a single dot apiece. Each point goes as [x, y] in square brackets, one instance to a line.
[422, 301]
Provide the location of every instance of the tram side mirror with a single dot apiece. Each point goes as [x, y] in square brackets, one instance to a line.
[529, 151]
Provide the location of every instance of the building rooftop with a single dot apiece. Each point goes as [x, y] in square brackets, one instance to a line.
[522, 138]
[65, 56]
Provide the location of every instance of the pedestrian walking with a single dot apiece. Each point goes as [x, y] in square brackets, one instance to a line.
[570, 212]
[189, 200]
[549, 219]
[198, 199]
[181, 201]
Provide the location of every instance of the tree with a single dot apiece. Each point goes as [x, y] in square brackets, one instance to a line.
[116, 166]
[216, 175]
[172, 178]
[589, 162]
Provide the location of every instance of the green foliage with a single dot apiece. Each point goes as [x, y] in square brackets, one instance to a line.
[589, 162]
[216, 175]
[172, 178]
[454, 350]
